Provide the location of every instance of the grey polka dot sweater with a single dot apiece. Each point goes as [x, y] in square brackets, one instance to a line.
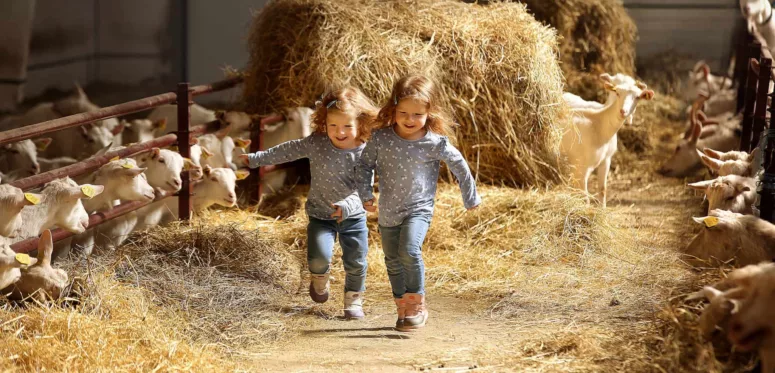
[332, 170]
[408, 173]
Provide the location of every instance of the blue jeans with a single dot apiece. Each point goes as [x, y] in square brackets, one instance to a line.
[402, 245]
[354, 239]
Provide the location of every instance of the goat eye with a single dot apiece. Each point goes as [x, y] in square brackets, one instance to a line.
[213, 179]
[161, 160]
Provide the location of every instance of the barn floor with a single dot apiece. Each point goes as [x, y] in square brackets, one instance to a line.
[466, 332]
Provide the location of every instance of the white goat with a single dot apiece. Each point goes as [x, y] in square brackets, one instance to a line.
[729, 163]
[741, 305]
[590, 141]
[216, 188]
[685, 159]
[220, 157]
[727, 236]
[142, 130]
[10, 265]
[732, 193]
[40, 280]
[198, 115]
[702, 82]
[12, 201]
[758, 14]
[20, 159]
[60, 205]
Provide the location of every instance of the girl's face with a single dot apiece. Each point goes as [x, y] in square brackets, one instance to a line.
[411, 115]
[342, 129]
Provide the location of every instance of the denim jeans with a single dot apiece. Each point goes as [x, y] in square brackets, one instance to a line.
[354, 239]
[402, 245]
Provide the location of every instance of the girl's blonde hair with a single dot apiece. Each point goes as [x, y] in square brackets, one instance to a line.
[348, 100]
[423, 89]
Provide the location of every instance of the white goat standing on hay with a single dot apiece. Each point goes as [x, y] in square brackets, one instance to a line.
[590, 142]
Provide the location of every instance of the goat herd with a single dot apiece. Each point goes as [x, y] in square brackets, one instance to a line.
[214, 166]
[732, 232]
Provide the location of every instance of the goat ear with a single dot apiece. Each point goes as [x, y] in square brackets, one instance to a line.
[705, 71]
[134, 171]
[712, 153]
[753, 154]
[207, 170]
[42, 144]
[647, 94]
[31, 199]
[700, 185]
[155, 153]
[242, 174]
[85, 191]
[220, 115]
[696, 131]
[712, 163]
[606, 77]
[609, 87]
[206, 153]
[195, 172]
[242, 143]
[45, 248]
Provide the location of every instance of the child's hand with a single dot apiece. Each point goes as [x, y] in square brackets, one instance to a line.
[337, 214]
[369, 206]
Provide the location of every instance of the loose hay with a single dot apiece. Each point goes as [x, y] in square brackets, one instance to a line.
[504, 88]
[598, 36]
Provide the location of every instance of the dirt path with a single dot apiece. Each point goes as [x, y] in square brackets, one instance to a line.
[463, 334]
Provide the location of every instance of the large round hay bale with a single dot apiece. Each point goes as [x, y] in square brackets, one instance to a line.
[497, 66]
[597, 36]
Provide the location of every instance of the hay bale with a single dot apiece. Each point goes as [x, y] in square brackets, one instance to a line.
[597, 36]
[504, 88]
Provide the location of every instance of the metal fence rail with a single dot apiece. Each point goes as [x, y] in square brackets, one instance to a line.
[184, 136]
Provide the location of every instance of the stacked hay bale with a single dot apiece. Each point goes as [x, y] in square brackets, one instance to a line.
[504, 88]
[597, 36]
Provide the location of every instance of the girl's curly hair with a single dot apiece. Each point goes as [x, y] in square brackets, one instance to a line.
[349, 100]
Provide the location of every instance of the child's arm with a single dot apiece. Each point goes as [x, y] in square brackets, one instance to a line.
[457, 164]
[364, 174]
[285, 152]
[346, 207]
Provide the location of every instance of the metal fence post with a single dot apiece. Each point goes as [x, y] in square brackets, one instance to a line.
[184, 147]
[760, 112]
[750, 98]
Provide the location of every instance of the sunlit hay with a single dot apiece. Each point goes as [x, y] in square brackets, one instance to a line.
[116, 328]
[504, 89]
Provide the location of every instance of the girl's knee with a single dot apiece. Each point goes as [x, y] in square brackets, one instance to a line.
[318, 265]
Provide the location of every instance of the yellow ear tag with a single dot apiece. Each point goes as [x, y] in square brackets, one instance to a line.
[162, 125]
[115, 158]
[33, 199]
[173, 148]
[205, 155]
[127, 165]
[187, 164]
[710, 221]
[88, 191]
[23, 259]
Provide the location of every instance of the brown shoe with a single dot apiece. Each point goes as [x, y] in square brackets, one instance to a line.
[401, 308]
[318, 288]
[416, 314]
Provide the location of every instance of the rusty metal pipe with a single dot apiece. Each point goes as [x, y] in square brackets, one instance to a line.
[93, 163]
[217, 86]
[95, 219]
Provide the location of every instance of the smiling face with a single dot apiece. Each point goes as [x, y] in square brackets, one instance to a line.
[411, 116]
[342, 129]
